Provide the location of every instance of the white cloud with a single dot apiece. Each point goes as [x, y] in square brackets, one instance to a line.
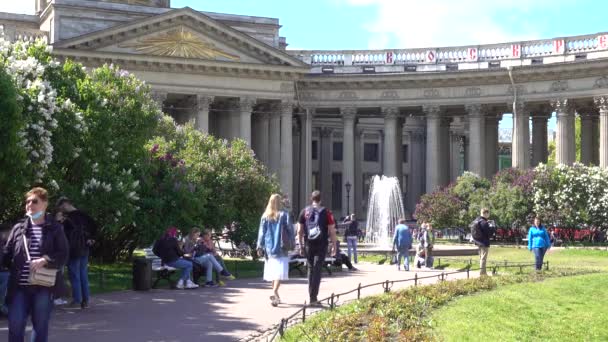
[12, 6]
[416, 23]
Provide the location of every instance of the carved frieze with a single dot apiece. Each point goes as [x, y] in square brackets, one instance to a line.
[521, 89]
[431, 93]
[348, 95]
[389, 95]
[307, 95]
[180, 42]
[473, 92]
[559, 86]
[601, 82]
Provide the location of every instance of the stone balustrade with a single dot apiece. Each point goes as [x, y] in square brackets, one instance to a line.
[532, 52]
[19, 33]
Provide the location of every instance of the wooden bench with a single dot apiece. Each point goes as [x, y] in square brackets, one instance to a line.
[163, 272]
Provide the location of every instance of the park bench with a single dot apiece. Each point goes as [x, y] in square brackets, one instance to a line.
[226, 247]
[299, 263]
[163, 272]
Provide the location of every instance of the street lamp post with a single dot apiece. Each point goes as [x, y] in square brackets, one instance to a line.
[347, 186]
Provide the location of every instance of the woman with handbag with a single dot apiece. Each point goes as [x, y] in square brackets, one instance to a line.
[275, 238]
[35, 250]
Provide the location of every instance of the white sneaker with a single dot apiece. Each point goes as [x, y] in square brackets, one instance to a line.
[180, 284]
[191, 285]
[60, 301]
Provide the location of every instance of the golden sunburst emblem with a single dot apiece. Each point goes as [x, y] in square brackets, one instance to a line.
[179, 43]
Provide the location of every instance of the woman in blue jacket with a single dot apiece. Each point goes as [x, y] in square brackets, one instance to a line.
[274, 225]
[538, 242]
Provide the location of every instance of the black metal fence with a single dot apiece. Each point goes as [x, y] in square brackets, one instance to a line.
[387, 285]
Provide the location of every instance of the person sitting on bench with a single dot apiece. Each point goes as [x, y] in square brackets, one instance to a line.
[201, 262]
[204, 251]
[168, 250]
[343, 259]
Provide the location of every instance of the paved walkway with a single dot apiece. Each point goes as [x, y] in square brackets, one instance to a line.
[208, 314]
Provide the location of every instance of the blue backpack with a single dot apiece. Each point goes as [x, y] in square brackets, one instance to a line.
[315, 218]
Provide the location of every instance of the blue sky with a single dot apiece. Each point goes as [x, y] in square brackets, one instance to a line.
[365, 24]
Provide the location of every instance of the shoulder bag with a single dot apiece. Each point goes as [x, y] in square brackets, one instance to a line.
[43, 276]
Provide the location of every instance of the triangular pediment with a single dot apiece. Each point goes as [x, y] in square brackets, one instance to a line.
[182, 33]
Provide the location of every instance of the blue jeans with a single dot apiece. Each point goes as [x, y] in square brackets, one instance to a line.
[79, 278]
[539, 254]
[405, 254]
[3, 286]
[351, 245]
[209, 262]
[184, 265]
[34, 301]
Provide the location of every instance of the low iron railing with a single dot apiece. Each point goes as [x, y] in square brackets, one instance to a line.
[387, 285]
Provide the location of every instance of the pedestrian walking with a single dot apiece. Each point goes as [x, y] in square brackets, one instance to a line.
[275, 239]
[316, 225]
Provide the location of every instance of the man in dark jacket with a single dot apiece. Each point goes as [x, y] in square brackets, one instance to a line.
[80, 229]
[482, 239]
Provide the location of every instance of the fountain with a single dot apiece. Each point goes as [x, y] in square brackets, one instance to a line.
[384, 210]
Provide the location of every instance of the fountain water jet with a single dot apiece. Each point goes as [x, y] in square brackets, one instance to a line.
[385, 208]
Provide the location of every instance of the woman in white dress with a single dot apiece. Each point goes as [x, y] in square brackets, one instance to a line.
[275, 238]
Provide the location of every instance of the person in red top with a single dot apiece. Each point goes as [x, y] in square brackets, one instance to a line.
[316, 225]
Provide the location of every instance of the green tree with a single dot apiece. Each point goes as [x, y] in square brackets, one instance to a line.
[11, 156]
[441, 208]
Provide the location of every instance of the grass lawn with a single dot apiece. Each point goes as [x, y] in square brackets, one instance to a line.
[119, 276]
[560, 309]
[566, 257]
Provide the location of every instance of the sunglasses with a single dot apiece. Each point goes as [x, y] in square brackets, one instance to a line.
[32, 201]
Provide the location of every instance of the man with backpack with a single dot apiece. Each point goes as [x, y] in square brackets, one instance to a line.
[316, 225]
[480, 236]
[80, 229]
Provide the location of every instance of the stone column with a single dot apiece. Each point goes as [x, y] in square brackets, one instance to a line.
[455, 146]
[520, 150]
[477, 139]
[436, 164]
[306, 178]
[565, 152]
[349, 116]
[392, 139]
[595, 151]
[263, 138]
[358, 181]
[286, 148]
[492, 145]
[416, 185]
[246, 107]
[586, 138]
[297, 159]
[325, 164]
[602, 103]
[274, 140]
[203, 102]
[539, 139]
